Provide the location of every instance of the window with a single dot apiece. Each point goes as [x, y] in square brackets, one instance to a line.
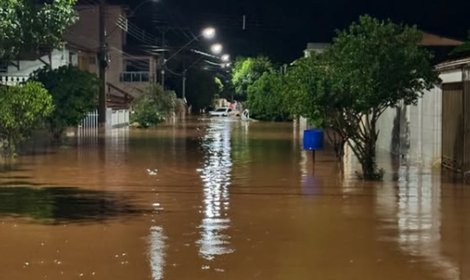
[3, 66]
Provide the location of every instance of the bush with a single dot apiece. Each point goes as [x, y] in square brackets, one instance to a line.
[74, 94]
[22, 108]
[154, 106]
[266, 99]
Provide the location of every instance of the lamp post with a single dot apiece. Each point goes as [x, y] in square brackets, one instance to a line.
[207, 33]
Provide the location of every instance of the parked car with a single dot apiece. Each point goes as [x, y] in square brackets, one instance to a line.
[224, 112]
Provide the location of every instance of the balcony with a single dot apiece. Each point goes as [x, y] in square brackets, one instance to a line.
[136, 77]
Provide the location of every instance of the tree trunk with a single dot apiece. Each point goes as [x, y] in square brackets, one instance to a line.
[364, 146]
[368, 161]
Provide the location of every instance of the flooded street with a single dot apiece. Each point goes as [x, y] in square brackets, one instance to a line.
[222, 199]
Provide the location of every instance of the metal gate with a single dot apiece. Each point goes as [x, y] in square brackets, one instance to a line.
[452, 126]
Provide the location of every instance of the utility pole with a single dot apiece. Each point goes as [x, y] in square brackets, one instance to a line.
[184, 85]
[103, 63]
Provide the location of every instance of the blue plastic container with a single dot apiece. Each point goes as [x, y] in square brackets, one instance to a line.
[313, 139]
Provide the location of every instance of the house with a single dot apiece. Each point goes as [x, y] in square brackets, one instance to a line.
[455, 75]
[417, 133]
[126, 75]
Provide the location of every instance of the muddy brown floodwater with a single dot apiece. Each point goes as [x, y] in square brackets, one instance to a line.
[221, 199]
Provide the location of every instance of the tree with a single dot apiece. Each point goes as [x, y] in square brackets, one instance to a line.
[21, 110]
[74, 93]
[371, 66]
[374, 65]
[202, 88]
[30, 28]
[265, 98]
[308, 93]
[153, 106]
[246, 71]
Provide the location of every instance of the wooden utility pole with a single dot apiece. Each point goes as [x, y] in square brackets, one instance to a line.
[103, 63]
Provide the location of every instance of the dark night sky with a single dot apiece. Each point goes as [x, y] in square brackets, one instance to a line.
[281, 29]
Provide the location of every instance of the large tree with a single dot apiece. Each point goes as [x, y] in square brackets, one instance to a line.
[246, 71]
[30, 28]
[371, 66]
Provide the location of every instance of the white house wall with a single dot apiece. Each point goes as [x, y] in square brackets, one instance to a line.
[451, 76]
[414, 132]
[26, 67]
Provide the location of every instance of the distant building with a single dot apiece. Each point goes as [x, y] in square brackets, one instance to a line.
[317, 48]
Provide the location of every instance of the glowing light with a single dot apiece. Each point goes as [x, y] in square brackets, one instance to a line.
[216, 48]
[225, 57]
[208, 32]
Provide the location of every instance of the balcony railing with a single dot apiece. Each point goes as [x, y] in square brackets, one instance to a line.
[135, 77]
[12, 80]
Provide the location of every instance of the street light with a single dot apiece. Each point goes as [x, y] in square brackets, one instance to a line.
[216, 48]
[207, 33]
[225, 58]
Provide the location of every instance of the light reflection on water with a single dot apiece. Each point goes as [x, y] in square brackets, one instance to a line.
[157, 252]
[216, 179]
[417, 211]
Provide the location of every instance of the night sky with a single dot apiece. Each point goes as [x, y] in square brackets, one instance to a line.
[281, 29]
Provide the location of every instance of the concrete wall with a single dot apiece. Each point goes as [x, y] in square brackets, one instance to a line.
[414, 132]
[26, 67]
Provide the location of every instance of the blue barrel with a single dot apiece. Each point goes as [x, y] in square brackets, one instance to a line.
[313, 139]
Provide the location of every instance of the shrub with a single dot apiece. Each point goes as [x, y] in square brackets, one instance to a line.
[154, 106]
[21, 110]
[74, 94]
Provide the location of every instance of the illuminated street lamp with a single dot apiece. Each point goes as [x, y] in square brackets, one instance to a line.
[206, 33]
[216, 48]
[225, 58]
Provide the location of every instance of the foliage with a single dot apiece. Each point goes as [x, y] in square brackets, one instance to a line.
[153, 106]
[265, 98]
[21, 109]
[308, 93]
[371, 66]
[74, 93]
[202, 88]
[27, 27]
[246, 71]
[463, 49]
[375, 65]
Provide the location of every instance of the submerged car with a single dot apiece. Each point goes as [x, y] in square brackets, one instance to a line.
[224, 112]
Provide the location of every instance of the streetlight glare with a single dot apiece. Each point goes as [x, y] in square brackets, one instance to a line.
[216, 48]
[225, 57]
[208, 32]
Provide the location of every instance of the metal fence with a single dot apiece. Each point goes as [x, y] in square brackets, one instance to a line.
[114, 118]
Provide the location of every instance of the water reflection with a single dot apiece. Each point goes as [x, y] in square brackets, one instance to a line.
[62, 204]
[417, 218]
[157, 252]
[215, 175]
